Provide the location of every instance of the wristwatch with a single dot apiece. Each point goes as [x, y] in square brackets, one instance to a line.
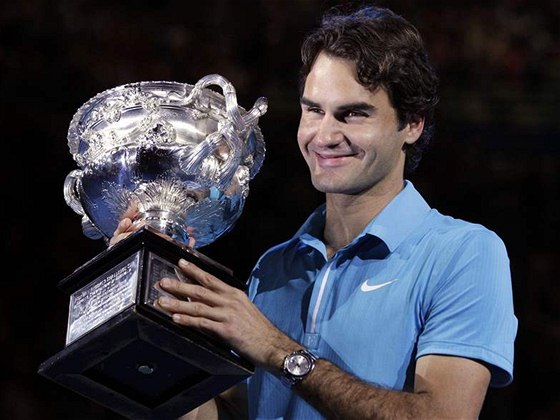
[297, 366]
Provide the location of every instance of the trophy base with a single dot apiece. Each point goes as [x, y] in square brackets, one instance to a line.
[130, 356]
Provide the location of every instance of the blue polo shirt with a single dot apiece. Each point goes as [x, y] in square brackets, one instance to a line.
[413, 283]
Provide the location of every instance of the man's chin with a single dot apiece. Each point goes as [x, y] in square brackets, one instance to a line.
[330, 187]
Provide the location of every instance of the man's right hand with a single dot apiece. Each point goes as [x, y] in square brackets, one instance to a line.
[126, 226]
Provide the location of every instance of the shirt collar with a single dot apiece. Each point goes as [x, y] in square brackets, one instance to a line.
[392, 225]
[400, 217]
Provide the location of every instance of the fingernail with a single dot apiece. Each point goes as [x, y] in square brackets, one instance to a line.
[164, 300]
[165, 282]
[183, 262]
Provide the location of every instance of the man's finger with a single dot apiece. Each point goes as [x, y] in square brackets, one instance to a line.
[190, 309]
[192, 292]
[192, 271]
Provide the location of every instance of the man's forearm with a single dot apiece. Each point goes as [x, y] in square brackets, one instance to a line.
[208, 410]
[230, 405]
[338, 394]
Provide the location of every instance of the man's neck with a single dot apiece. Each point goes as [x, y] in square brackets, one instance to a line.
[348, 215]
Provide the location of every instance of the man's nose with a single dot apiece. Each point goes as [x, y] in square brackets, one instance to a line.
[329, 131]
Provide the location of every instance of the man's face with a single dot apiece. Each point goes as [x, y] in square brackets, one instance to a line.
[349, 135]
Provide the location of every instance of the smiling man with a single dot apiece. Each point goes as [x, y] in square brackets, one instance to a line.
[379, 306]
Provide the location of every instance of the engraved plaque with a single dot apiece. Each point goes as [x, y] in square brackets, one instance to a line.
[103, 298]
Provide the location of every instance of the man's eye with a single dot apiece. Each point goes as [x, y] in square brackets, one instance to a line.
[355, 114]
[314, 110]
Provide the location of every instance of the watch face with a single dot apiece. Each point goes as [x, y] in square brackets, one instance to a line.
[298, 365]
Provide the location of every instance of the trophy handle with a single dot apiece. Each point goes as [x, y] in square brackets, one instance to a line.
[240, 123]
[200, 160]
[72, 197]
[71, 191]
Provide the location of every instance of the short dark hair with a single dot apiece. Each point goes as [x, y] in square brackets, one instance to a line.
[389, 52]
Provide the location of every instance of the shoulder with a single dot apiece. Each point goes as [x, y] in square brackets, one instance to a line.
[270, 262]
[450, 249]
[450, 234]
[462, 258]
[279, 273]
[276, 252]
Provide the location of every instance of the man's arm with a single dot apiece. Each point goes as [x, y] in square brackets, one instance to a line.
[445, 387]
[230, 404]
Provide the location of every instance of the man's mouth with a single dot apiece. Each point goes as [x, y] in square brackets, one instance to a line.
[332, 159]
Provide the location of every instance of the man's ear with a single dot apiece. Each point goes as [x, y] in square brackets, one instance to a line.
[413, 130]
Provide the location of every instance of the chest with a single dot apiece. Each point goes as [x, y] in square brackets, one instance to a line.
[360, 298]
[363, 314]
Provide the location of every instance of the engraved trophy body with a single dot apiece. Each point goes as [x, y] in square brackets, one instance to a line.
[178, 157]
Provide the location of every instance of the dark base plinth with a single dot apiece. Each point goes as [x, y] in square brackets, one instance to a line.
[139, 363]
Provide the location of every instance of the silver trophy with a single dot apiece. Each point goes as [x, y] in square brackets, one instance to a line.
[183, 155]
[178, 159]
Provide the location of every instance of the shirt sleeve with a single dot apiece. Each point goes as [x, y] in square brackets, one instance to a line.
[470, 309]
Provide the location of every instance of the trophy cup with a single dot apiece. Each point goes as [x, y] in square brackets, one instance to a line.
[181, 156]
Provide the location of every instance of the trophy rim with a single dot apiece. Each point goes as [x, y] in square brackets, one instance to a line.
[77, 122]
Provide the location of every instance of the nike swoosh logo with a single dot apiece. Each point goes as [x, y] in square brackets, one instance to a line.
[370, 288]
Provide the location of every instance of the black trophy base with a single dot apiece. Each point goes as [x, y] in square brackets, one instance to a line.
[138, 362]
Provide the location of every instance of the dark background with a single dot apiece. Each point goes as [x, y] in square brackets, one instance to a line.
[495, 158]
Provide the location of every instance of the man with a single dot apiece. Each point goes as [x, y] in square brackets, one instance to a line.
[379, 306]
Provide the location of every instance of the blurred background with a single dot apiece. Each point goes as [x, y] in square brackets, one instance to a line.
[495, 158]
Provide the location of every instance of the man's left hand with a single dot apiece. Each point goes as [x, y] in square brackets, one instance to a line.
[223, 311]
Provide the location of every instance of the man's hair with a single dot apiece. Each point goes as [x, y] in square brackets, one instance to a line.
[388, 52]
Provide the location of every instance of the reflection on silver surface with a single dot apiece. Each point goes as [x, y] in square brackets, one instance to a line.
[178, 156]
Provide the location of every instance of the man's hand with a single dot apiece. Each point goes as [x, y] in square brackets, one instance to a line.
[129, 223]
[126, 225]
[223, 311]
